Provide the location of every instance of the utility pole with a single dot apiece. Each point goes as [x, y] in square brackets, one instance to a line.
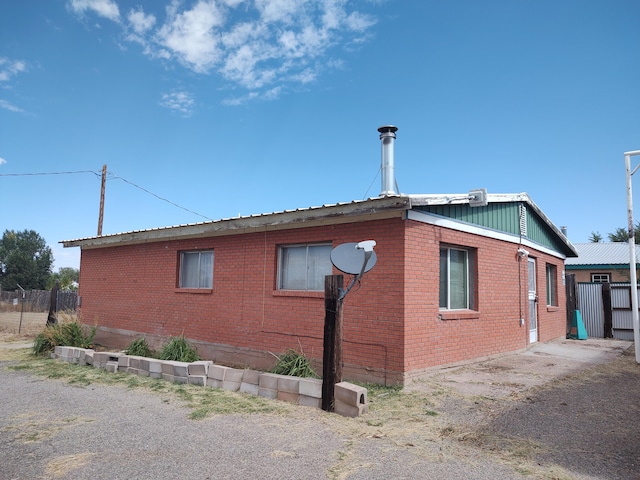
[102, 189]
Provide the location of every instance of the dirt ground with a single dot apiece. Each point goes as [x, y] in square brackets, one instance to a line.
[15, 326]
[561, 410]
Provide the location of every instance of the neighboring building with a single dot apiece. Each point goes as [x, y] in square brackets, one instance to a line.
[600, 262]
[452, 282]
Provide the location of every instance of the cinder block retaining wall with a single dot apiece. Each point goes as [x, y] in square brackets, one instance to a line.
[350, 400]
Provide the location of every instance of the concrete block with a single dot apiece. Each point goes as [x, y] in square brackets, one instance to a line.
[143, 364]
[123, 361]
[269, 380]
[288, 384]
[288, 397]
[307, 401]
[88, 357]
[143, 373]
[310, 387]
[100, 359]
[233, 375]
[53, 355]
[347, 410]
[177, 379]
[133, 371]
[267, 393]
[250, 388]
[167, 367]
[214, 382]
[216, 372]
[155, 374]
[251, 376]
[197, 379]
[350, 394]
[230, 386]
[199, 368]
[134, 361]
[111, 366]
[58, 351]
[168, 377]
[181, 369]
[155, 366]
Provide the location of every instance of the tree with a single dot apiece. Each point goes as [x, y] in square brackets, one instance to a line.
[68, 278]
[25, 259]
[621, 234]
[595, 237]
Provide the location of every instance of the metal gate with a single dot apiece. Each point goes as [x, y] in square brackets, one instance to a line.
[594, 310]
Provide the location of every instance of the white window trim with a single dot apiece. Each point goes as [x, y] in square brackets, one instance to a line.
[180, 272]
[467, 278]
[280, 273]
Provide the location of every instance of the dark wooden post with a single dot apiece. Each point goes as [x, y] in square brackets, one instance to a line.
[572, 298]
[608, 312]
[53, 304]
[332, 353]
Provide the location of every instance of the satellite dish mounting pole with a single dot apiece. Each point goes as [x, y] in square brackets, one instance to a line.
[332, 348]
[355, 259]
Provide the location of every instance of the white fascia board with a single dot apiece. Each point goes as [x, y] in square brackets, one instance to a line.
[452, 224]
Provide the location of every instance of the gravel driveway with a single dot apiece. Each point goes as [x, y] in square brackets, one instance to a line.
[582, 423]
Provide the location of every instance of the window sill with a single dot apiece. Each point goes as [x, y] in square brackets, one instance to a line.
[458, 315]
[551, 308]
[199, 291]
[298, 293]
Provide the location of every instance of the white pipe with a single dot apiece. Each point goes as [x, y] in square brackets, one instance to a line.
[632, 255]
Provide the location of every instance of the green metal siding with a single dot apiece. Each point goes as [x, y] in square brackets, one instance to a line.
[503, 217]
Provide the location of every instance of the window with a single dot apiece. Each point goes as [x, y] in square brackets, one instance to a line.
[196, 269]
[303, 267]
[552, 285]
[600, 277]
[457, 273]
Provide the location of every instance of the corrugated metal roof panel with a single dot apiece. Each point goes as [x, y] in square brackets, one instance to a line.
[602, 253]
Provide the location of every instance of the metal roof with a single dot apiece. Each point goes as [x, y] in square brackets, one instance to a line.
[602, 253]
[328, 213]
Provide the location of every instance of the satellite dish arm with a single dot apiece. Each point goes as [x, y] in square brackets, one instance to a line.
[367, 246]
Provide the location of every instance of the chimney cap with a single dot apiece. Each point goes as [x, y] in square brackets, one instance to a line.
[388, 128]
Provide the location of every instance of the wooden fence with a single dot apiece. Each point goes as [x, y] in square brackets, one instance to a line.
[36, 301]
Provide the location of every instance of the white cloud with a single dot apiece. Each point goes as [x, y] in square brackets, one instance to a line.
[141, 22]
[10, 68]
[190, 35]
[261, 46]
[104, 8]
[181, 102]
[8, 106]
[2, 161]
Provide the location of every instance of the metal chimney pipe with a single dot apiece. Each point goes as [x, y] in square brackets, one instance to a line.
[388, 136]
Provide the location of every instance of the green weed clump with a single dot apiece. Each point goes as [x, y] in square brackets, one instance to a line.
[180, 350]
[140, 348]
[295, 364]
[67, 334]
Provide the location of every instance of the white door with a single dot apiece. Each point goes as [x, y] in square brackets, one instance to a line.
[533, 302]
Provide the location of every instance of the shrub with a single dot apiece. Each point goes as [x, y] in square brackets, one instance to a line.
[139, 347]
[180, 350]
[68, 334]
[294, 364]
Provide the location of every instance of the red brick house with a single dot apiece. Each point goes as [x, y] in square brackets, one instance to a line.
[452, 283]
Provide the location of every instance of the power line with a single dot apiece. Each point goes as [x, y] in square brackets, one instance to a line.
[113, 176]
[47, 173]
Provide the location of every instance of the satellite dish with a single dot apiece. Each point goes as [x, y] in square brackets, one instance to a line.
[350, 257]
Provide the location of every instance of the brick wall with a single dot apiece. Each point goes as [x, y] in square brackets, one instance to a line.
[393, 328]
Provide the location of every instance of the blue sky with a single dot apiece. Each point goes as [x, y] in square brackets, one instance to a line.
[227, 107]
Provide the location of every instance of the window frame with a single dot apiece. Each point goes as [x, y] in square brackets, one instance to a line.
[607, 275]
[182, 265]
[470, 277]
[281, 266]
[551, 277]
